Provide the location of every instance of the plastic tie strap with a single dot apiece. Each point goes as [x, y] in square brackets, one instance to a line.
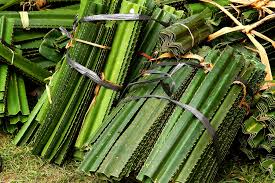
[25, 19]
[12, 57]
[191, 64]
[119, 17]
[92, 75]
[167, 87]
[163, 76]
[204, 120]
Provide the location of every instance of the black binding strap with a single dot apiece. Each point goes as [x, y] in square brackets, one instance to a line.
[167, 82]
[168, 87]
[92, 75]
[66, 32]
[192, 64]
[119, 17]
[189, 108]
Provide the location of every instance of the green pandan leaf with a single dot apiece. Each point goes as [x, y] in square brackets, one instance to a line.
[268, 164]
[43, 19]
[49, 48]
[24, 65]
[115, 71]
[252, 127]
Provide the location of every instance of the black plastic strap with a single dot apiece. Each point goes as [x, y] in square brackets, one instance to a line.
[167, 82]
[65, 32]
[119, 17]
[75, 23]
[92, 75]
[192, 64]
[168, 87]
[204, 120]
[160, 79]
[87, 72]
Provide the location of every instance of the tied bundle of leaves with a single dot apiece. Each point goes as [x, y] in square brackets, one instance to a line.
[126, 145]
[54, 116]
[184, 34]
[77, 89]
[25, 63]
[124, 97]
[14, 103]
[104, 100]
[86, 91]
[120, 54]
[151, 35]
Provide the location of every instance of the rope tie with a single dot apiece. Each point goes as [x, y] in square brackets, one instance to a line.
[243, 103]
[92, 44]
[71, 37]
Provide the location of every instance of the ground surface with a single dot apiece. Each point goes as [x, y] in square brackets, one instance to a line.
[21, 166]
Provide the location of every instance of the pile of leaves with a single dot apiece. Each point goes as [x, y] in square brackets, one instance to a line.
[138, 89]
